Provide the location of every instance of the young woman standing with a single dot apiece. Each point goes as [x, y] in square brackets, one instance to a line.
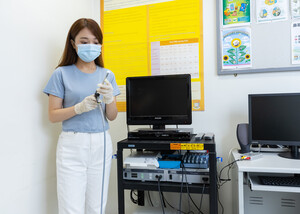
[80, 151]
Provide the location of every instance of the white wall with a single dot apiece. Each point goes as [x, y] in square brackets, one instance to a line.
[32, 38]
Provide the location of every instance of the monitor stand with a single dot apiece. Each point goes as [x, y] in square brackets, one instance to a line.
[293, 154]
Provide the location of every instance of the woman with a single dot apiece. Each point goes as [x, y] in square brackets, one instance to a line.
[80, 150]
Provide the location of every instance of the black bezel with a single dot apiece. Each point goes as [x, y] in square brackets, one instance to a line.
[261, 141]
[164, 119]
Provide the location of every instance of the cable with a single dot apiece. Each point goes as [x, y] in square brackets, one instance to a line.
[181, 186]
[195, 204]
[150, 198]
[171, 205]
[97, 95]
[220, 180]
[229, 154]
[220, 174]
[220, 201]
[187, 186]
[161, 201]
[135, 201]
[201, 199]
[104, 156]
[164, 203]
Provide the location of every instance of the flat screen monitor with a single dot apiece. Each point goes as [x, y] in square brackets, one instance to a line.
[274, 119]
[159, 100]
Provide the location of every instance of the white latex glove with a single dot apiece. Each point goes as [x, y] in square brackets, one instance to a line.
[106, 90]
[87, 104]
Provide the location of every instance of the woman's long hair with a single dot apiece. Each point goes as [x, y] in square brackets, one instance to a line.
[69, 56]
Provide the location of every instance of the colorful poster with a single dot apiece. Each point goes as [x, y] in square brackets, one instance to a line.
[236, 48]
[295, 8]
[152, 37]
[295, 40]
[271, 10]
[236, 12]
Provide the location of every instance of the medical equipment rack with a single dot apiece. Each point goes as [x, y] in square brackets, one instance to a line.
[163, 145]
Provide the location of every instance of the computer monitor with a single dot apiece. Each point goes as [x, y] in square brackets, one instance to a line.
[159, 100]
[274, 119]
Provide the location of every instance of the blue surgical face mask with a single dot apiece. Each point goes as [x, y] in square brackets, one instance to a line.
[88, 52]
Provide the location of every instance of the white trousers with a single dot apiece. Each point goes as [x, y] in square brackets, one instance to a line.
[79, 167]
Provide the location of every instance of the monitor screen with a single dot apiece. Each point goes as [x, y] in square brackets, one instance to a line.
[274, 119]
[159, 100]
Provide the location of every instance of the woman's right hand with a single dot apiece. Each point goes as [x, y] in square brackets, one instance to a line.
[89, 103]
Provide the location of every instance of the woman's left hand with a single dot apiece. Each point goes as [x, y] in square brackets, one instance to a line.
[106, 90]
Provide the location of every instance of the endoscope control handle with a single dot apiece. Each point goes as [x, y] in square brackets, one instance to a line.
[96, 95]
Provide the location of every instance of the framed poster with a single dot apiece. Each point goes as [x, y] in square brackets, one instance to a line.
[236, 12]
[236, 46]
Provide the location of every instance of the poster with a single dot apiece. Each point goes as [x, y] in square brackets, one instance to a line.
[236, 12]
[271, 10]
[236, 48]
[152, 37]
[175, 57]
[295, 8]
[295, 40]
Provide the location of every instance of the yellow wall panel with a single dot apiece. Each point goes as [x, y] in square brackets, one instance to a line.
[154, 39]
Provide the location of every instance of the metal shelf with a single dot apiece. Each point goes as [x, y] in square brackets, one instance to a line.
[166, 187]
[156, 145]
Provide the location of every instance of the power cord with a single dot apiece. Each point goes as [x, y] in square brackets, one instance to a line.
[222, 181]
[187, 188]
[171, 205]
[160, 195]
[188, 192]
[203, 188]
[135, 201]
[220, 201]
[163, 200]
[181, 187]
[150, 198]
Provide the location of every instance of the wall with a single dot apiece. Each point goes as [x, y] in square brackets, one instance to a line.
[32, 39]
[225, 105]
